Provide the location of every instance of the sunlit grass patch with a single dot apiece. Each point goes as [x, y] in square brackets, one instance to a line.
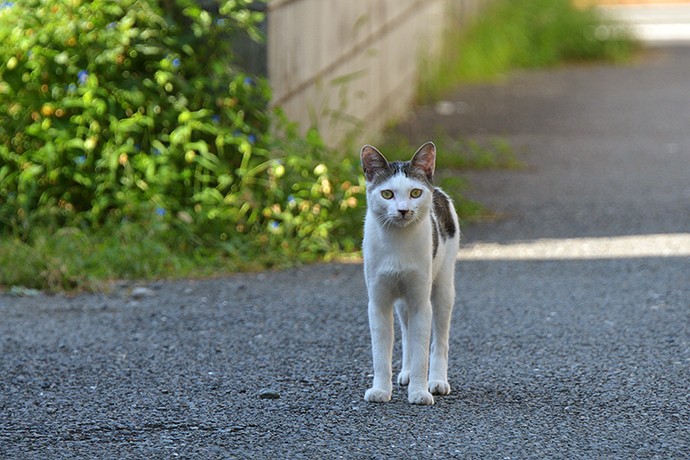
[523, 34]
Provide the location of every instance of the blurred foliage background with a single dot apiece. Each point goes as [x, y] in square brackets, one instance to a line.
[524, 34]
[133, 145]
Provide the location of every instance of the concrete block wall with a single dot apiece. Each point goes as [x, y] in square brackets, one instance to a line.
[349, 67]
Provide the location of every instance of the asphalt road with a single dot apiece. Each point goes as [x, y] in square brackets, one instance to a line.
[568, 341]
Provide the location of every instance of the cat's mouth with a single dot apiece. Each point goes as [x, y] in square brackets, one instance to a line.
[402, 220]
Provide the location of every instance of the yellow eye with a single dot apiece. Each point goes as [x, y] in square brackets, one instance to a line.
[416, 192]
[387, 194]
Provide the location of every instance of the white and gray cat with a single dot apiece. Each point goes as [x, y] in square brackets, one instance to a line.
[411, 239]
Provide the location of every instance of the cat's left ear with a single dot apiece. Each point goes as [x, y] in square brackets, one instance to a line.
[425, 159]
[373, 162]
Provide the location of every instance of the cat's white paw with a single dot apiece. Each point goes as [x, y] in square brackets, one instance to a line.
[421, 397]
[439, 387]
[376, 395]
[404, 377]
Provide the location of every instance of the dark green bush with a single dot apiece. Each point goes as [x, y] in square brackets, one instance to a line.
[132, 110]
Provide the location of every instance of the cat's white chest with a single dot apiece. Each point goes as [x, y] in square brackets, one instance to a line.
[397, 251]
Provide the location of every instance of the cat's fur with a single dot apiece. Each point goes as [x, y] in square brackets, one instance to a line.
[411, 238]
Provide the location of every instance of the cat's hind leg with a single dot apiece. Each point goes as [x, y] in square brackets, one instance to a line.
[403, 317]
[442, 299]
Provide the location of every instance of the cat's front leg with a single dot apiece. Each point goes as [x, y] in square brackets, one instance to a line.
[419, 335]
[381, 327]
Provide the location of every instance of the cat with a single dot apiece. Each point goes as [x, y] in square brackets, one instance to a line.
[411, 239]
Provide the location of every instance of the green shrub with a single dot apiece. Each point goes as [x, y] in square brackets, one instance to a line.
[117, 108]
[121, 111]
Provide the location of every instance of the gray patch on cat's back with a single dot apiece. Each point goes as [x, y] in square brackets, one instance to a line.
[445, 223]
[442, 222]
[434, 235]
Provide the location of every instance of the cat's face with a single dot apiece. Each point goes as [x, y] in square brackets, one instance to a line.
[399, 193]
[399, 201]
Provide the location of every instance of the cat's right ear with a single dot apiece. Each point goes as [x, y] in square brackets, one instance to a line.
[425, 159]
[373, 162]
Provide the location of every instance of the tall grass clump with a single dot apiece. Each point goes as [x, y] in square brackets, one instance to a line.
[127, 124]
[524, 34]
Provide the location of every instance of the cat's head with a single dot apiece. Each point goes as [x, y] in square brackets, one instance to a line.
[399, 192]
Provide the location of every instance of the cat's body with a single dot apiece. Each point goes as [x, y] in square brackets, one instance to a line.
[411, 238]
